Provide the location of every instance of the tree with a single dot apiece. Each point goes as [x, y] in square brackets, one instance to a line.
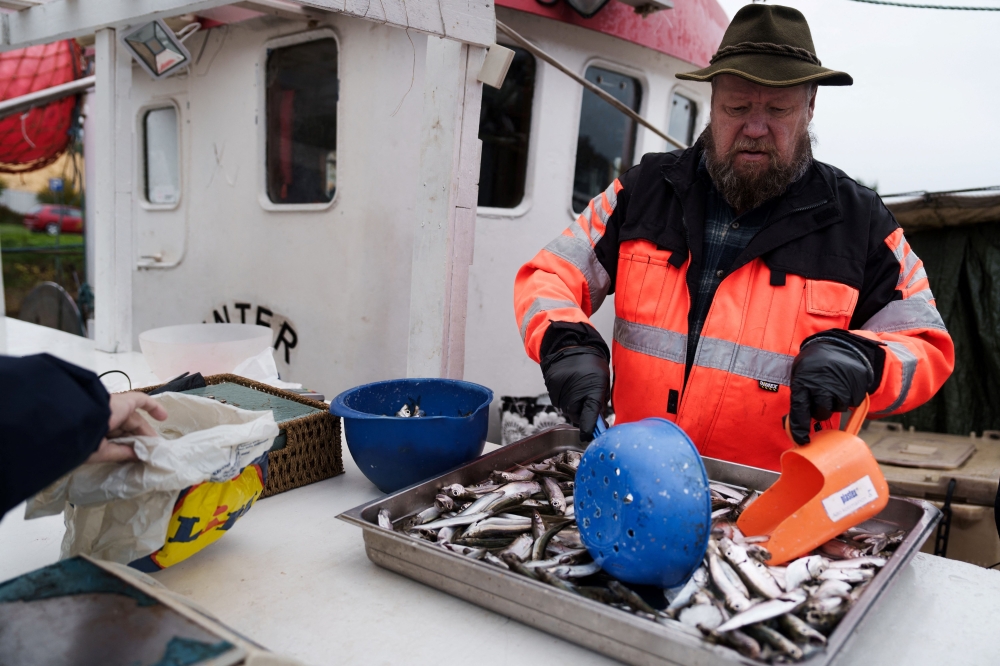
[69, 196]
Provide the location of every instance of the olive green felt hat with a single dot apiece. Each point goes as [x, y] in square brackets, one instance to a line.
[770, 45]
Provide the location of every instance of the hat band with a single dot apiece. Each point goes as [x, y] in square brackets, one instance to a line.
[766, 48]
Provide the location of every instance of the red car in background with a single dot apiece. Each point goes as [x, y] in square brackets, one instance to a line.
[46, 217]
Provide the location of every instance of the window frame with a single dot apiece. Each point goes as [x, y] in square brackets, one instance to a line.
[694, 96]
[527, 201]
[154, 105]
[260, 119]
[640, 131]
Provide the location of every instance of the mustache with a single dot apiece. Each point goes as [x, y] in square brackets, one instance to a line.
[749, 187]
[747, 145]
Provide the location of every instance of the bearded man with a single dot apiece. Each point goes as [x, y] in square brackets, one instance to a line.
[750, 280]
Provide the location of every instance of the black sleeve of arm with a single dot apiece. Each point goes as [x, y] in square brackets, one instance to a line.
[53, 415]
[881, 267]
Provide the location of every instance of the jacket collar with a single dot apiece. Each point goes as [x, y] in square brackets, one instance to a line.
[801, 210]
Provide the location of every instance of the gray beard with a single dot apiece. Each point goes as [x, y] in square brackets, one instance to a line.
[754, 185]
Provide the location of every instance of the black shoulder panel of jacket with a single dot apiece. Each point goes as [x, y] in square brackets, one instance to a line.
[644, 215]
[53, 415]
[880, 286]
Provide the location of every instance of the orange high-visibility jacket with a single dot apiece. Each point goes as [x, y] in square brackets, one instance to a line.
[829, 256]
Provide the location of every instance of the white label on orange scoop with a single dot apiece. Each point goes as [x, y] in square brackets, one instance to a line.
[846, 501]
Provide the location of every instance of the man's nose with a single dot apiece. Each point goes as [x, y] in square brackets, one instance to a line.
[755, 126]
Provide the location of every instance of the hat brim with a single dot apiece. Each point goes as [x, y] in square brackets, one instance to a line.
[773, 71]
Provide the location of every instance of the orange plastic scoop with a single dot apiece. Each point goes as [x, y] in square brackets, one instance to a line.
[826, 487]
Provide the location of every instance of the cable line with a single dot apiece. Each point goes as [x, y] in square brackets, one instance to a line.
[909, 5]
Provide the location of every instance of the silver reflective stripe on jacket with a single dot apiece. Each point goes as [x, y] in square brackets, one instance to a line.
[579, 253]
[913, 313]
[744, 361]
[909, 362]
[712, 353]
[542, 305]
[650, 340]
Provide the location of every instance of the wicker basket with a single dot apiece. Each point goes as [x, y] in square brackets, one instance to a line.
[312, 452]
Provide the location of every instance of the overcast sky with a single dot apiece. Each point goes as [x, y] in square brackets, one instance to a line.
[924, 110]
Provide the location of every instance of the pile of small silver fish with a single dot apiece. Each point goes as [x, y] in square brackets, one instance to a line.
[523, 520]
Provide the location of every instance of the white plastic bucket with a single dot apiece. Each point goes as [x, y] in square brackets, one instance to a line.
[210, 349]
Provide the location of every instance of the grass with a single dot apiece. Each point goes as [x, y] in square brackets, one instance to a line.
[22, 271]
[16, 235]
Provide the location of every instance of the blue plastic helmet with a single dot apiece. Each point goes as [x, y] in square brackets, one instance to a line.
[642, 503]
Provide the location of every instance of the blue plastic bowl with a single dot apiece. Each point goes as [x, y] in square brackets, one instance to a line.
[642, 503]
[395, 452]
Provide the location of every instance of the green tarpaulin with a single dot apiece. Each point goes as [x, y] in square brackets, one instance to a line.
[963, 266]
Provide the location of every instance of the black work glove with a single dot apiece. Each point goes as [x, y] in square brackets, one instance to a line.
[578, 380]
[832, 372]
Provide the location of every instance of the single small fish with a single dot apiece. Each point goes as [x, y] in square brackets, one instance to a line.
[694, 584]
[841, 550]
[766, 634]
[455, 521]
[428, 514]
[444, 502]
[803, 570]
[485, 529]
[832, 588]
[800, 631]
[736, 639]
[520, 547]
[466, 551]
[755, 574]
[522, 474]
[521, 488]
[494, 560]
[858, 562]
[727, 491]
[446, 534]
[384, 519]
[766, 610]
[631, 598]
[555, 581]
[516, 566]
[480, 505]
[575, 571]
[458, 491]
[542, 542]
[735, 596]
[857, 575]
[404, 412]
[556, 498]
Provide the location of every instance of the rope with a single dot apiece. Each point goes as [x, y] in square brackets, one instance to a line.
[766, 48]
[916, 6]
[542, 55]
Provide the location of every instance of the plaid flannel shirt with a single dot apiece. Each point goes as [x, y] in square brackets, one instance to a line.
[726, 236]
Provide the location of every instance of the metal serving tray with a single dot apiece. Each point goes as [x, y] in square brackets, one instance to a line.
[610, 631]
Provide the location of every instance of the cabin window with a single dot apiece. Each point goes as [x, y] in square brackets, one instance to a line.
[683, 114]
[605, 146]
[161, 156]
[504, 128]
[301, 107]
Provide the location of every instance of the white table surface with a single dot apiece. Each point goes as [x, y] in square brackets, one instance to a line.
[295, 579]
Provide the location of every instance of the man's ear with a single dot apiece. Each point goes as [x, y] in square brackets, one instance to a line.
[812, 101]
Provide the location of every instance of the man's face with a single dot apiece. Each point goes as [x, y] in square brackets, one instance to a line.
[758, 140]
[761, 123]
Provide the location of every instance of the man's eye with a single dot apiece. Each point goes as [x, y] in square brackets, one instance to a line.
[737, 109]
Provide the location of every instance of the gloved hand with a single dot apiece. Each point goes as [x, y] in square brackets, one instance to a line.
[832, 372]
[578, 380]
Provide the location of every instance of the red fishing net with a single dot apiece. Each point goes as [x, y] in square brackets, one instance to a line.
[36, 138]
